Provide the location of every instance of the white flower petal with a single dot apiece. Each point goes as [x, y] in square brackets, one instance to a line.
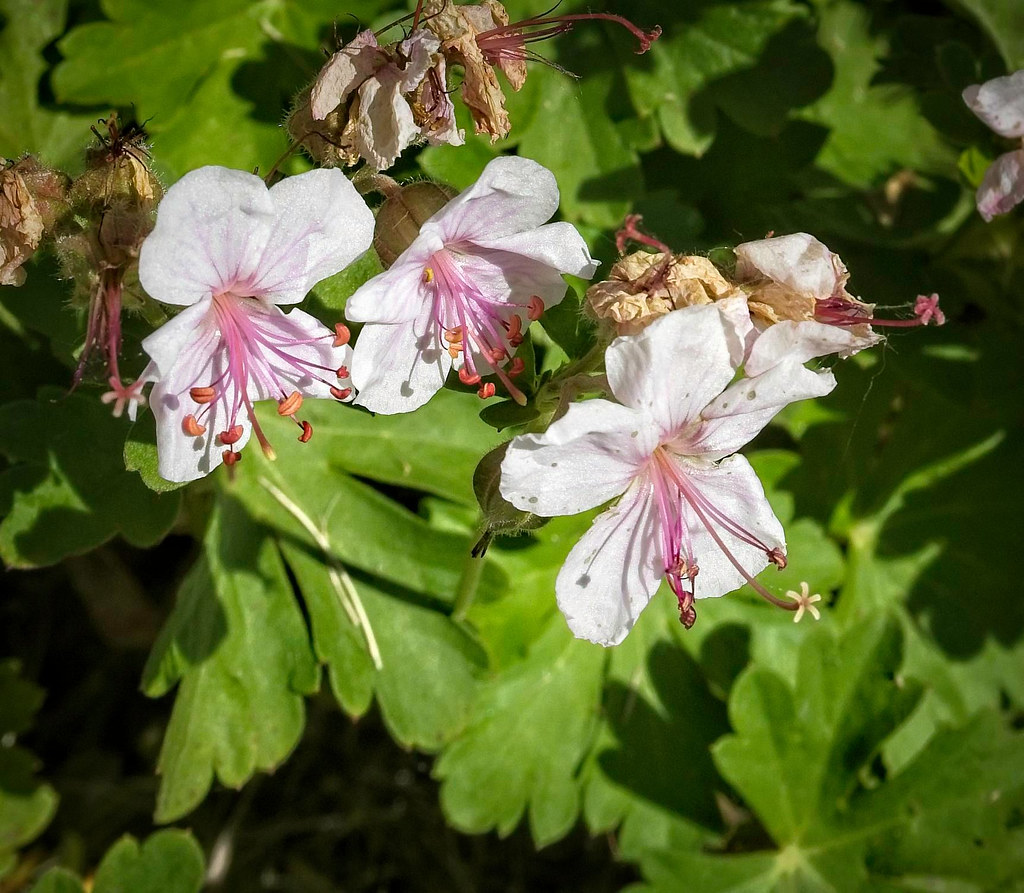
[396, 295]
[1003, 186]
[384, 125]
[803, 341]
[513, 195]
[211, 229]
[558, 246]
[418, 49]
[999, 103]
[673, 368]
[739, 329]
[797, 261]
[613, 571]
[733, 489]
[321, 224]
[166, 344]
[587, 457]
[742, 411]
[399, 367]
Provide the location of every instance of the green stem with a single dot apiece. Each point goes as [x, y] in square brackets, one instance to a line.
[469, 582]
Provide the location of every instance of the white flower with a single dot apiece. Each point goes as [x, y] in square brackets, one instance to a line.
[465, 290]
[230, 250]
[690, 510]
[1000, 104]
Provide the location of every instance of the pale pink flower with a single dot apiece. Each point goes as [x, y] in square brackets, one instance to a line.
[462, 294]
[1000, 104]
[689, 510]
[230, 250]
[798, 279]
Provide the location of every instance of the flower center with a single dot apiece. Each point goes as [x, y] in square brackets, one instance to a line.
[262, 353]
[480, 329]
[672, 491]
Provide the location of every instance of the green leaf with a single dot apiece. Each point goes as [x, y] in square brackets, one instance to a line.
[140, 454]
[169, 861]
[528, 733]
[1002, 23]
[427, 667]
[724, 38]
[856, 110]
[804, 758]
[367, 530]
[236, 65]
[58, 138]
[26, 804]
[66, 491]
[239, 648]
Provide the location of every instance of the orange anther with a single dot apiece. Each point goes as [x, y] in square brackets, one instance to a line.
[495, 356]
[454, 350]
[340, 393]
[535, 308]
[191, 427]
[516, 366]
[307, 432]
[514, 327]
[428, 275]
[342, 335]
[467, 377]
[230, 457]
[342, 372]
[777, 557]
[290, 405]
[453, 335]
[232, 435]
[486, 390]
[202, 395]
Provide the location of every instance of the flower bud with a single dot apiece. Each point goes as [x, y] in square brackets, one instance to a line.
[499, 515]
[329, 141]
[403, 213]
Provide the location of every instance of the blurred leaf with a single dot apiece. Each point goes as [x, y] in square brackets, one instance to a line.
[169, 861]
[239, 648]
[66, 491]
[1001, 21]
[539, 716]
[26, 804]
[26, 125]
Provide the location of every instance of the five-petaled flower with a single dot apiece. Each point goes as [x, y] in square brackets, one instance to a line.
[231, 250]
[462, 294]
[690, 510]
[1000, 104]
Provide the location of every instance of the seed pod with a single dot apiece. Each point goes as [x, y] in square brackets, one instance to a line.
[403, 213]
[500, 516]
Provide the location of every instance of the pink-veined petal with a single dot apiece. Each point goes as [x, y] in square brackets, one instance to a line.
[1000, 104]
[741, 412]
[1002, 189]
[211, 230]
[673, 368]
[587, 457]
[399, 293]
[803, 341]
[399, 367]
[512, 195]
[797, 261]
[613, 571]
[321, 225]
[166, 344]
[733, 489]
[558, 246]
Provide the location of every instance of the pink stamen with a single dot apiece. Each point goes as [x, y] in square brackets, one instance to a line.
[839, 311]
[672, 490]
[473, 325]
[509, 41]
[631, 232]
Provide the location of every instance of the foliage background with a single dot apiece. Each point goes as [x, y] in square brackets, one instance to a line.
[879, 748]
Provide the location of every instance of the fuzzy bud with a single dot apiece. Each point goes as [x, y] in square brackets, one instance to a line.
[403, 213]
[499, 515]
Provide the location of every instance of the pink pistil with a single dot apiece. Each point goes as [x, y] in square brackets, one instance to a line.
[103, 332]
[837, 311]
[631, 232]
[256, 352]
[672, 490]
[509, 41]
[471, 324]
